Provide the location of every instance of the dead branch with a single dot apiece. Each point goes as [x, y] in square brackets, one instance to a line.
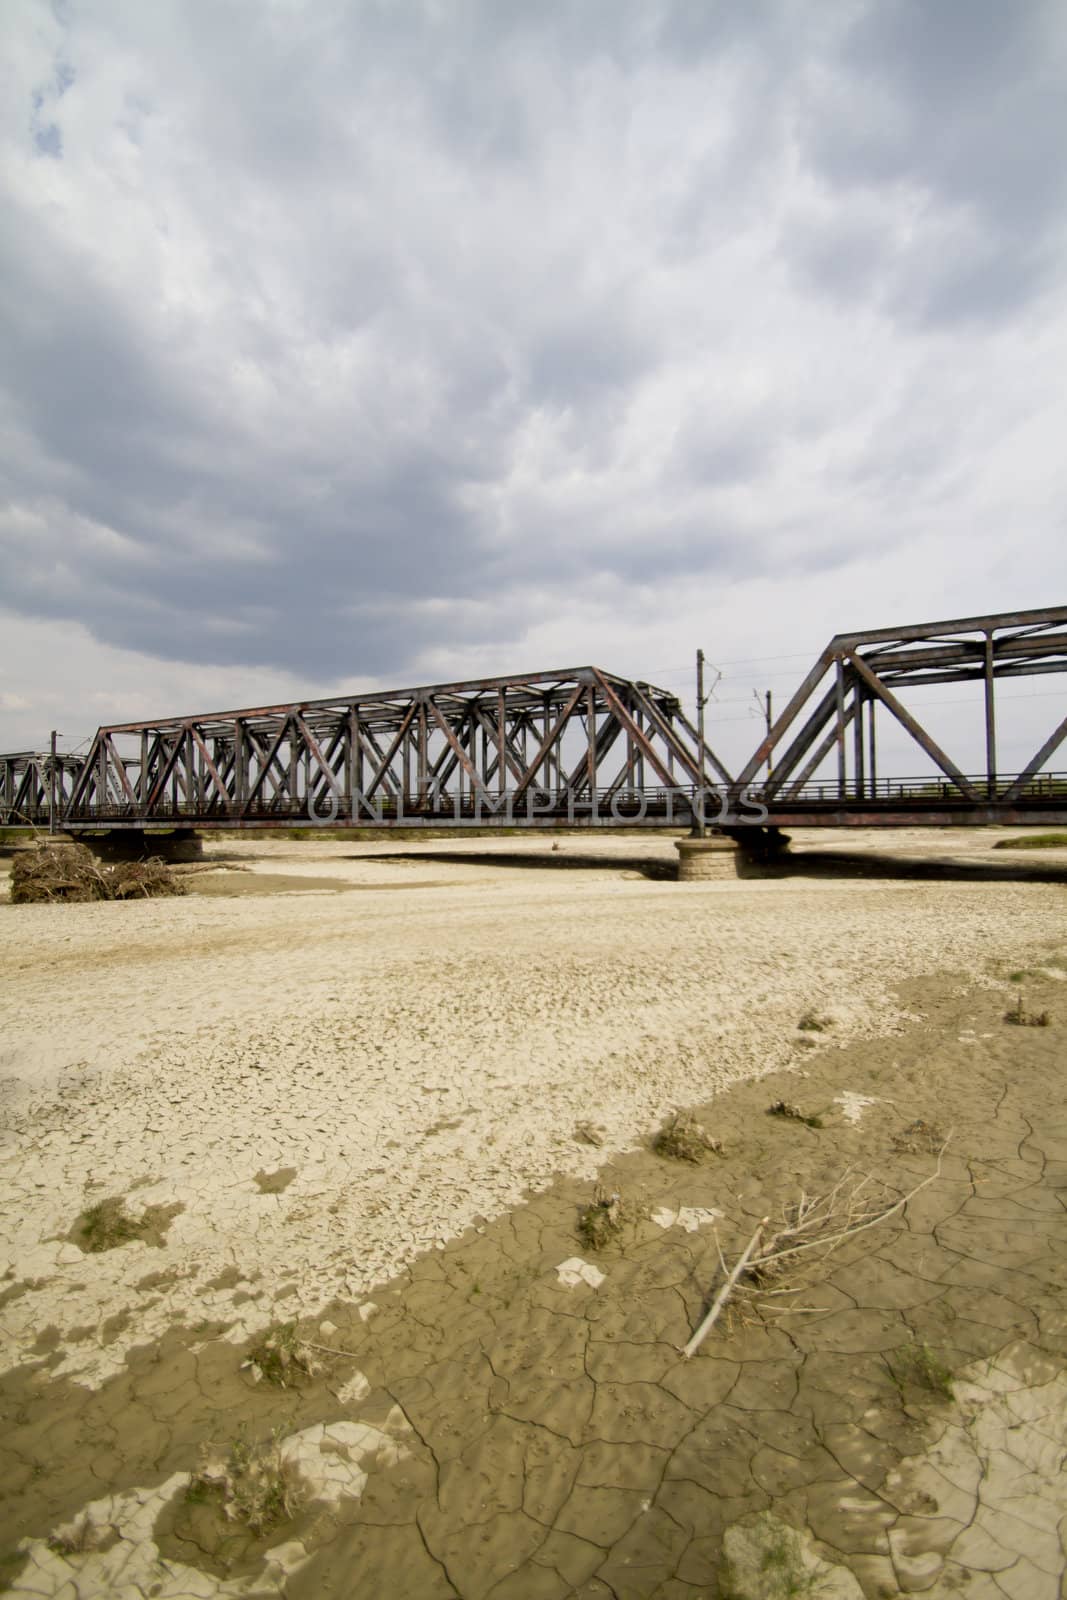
[810, 1216]
[867, 1220]
[724, 1293]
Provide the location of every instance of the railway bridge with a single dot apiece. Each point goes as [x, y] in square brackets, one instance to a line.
[573, 747]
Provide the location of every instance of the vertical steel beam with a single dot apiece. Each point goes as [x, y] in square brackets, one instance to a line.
[590, 729]
[842, 775]
[990, 720]
[423, 754]
[355, 760]
[502, 736]
[240, 760]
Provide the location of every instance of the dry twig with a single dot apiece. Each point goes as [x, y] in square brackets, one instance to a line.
[814, 1225]
[724, 1293]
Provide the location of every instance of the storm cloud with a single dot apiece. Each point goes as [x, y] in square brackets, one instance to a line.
[351, 341]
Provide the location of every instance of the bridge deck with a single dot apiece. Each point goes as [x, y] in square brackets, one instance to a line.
[577, 746]
[897, 803]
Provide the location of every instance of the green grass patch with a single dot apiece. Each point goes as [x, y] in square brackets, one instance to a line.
[917, 1366]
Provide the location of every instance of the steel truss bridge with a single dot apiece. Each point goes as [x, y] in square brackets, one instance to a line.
[576, 747]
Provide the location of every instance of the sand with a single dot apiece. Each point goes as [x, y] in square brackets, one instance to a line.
[320, 1089]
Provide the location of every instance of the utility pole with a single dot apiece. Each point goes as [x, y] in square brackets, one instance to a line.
[702, 701]
[52, 787]
[764, 703]
[770, 725]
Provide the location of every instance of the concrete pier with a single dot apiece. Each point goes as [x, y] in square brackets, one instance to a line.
[702, 859]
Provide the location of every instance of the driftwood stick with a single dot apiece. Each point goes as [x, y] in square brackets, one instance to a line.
[329, 1349]
[724, 1293]
[868, 1220]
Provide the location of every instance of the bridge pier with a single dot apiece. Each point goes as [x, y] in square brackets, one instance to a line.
[700, 860]
[137, 844]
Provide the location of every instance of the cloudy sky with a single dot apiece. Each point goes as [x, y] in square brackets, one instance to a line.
[354, 342]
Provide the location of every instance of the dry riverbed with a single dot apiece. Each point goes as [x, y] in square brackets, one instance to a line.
[369, 1114]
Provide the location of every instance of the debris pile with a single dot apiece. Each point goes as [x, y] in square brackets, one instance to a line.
[72, 872]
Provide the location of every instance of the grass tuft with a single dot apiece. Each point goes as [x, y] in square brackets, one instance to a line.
[916, 1364]
[683, 1138]
[774, 1562]
[253, 1484]
[76, 1538]
[919, 1137]
[283, 1358]
[107, 1225]
[602, 1222]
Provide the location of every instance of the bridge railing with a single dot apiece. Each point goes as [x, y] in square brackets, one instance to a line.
[618, 805]
[916, 791]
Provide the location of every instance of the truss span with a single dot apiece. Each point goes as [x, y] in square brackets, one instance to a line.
[859, 680]
[575, 747]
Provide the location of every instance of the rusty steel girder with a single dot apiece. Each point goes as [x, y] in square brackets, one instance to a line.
[27, 795]
[837, 719]
[576, 745]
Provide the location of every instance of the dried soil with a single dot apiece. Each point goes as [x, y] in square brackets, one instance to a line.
[489, 1430]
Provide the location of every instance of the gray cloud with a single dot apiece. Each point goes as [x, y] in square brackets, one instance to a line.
[342, 338]
[963, 107]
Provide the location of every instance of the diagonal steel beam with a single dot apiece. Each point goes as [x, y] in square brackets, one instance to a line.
[1051, 744]
[787, 762]
[223, 792]
[387, 760]
[668, 732]
[119, 766]
[577, 778]
[812, 766]
[630, 727]
[159, 786]
[492, 729]
[372, 751]
[266, 765]
[464, 760]
[316, 750]
[550, 738]
[917, 731]
[785, 721]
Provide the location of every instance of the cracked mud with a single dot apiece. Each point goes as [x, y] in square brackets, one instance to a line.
[487, 1425]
